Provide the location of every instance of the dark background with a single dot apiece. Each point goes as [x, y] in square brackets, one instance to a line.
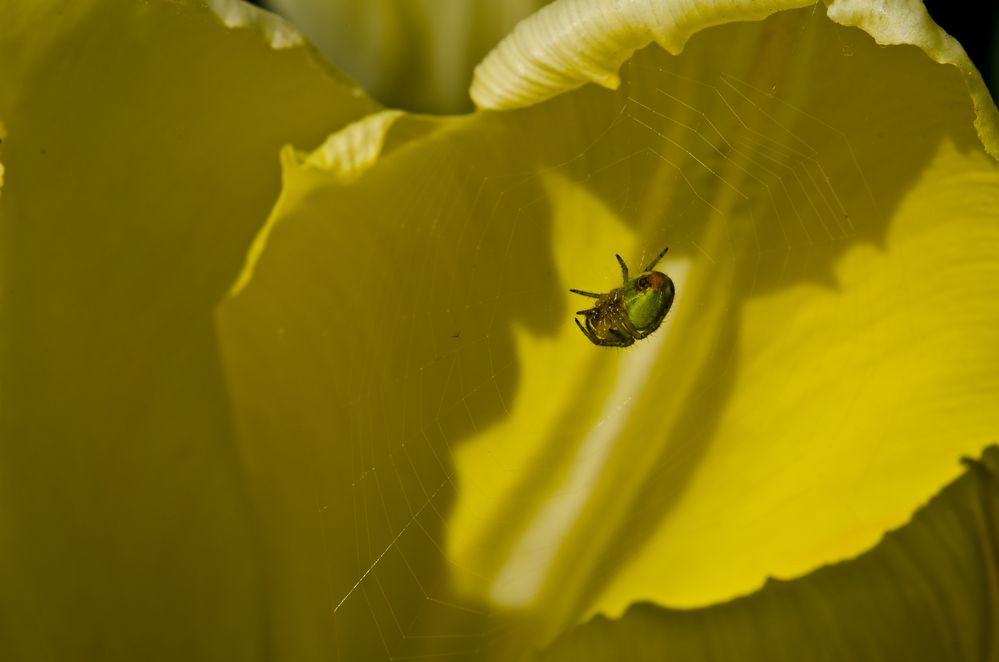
[976, 26]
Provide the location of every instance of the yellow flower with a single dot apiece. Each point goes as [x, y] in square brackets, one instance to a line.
[333, 404]
[412, 54]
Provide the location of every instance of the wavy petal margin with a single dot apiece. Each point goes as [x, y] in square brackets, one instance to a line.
[417, 55]
[574, 42]
[447, 465]
[929, 591]
[392, 441]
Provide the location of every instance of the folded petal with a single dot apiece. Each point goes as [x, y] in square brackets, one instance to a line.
[444, 464]
[411, 54]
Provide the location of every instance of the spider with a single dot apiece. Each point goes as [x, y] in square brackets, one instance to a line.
[630, 312]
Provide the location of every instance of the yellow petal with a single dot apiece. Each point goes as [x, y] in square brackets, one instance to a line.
[889, 371]
[922, 594]
[438, 452]
[140, 157]
[412, 54]
[573, 42]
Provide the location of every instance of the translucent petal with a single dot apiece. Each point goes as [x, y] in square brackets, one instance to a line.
[924, 593]
[412, 54]
[448, 465]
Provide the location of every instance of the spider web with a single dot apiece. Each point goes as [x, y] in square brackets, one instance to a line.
[695, 147]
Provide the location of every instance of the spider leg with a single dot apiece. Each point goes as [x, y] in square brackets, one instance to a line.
[586, 294]
[624, 268]
[619, 339]
[623, 340]
[602, 342]
[587, 333]
[656, 261]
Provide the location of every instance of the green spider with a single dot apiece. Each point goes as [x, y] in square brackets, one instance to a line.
[630, 312]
